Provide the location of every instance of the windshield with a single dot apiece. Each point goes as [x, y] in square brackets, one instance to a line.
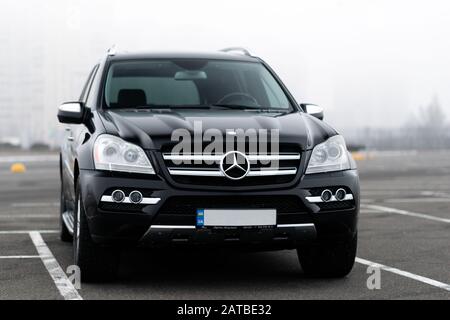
[193, 83]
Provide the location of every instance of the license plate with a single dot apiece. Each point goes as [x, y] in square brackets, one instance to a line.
[236, 218]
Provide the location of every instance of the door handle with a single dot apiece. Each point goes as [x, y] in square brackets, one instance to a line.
[68, 129]
[71, 138]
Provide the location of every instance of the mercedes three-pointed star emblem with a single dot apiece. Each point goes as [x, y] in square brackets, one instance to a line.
[235, 165]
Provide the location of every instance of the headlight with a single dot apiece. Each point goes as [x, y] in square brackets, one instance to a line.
[114, 154]
[332, 155]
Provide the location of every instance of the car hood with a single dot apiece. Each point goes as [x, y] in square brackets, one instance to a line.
[152, 129]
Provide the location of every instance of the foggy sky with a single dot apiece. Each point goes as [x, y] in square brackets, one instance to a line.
[368, 63]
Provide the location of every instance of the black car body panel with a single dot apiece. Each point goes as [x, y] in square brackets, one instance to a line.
[124, 224]
[120, 225]
[153, 129]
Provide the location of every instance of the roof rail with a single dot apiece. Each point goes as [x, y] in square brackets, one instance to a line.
[112, 51]
[239, 49]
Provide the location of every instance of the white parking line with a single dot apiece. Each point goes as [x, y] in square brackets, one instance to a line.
[60, 279]
[435, 194]
[405, 213]
[28, 231]
[368, 211]
[416, 200]
[28, 216]
[20, 257]
[28, 158]
[34, 204]
[406, 274]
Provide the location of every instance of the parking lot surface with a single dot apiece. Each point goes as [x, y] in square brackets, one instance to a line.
[404, 231]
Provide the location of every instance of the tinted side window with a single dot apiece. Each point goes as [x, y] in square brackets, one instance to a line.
[87, 85]
[91, 100]
[89, 91]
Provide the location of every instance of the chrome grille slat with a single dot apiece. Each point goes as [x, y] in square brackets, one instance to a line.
[265, 173]
[251, 157]
[199, 173]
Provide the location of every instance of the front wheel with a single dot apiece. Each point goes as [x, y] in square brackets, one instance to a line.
[96, 263]
[334, 260]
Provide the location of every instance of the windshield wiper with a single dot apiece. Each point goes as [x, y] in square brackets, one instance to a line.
[234, 106]
[168, 106]
[252, 108]
[204, 107]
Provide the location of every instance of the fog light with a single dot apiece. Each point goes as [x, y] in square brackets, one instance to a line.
[118, 196]
[326, 195]
[341, 194]
[135, 197]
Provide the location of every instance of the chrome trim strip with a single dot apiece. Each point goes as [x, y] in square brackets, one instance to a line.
[264, 173]
[348, 197]
[192, 157]
[251, 157]
[201, 173]
[301, 225]
[127, 200]
[214, 173]
[172, 227]
[296, 225]
[275, 157]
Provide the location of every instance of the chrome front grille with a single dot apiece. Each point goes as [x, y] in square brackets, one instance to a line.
[217, 173]
[205, 169]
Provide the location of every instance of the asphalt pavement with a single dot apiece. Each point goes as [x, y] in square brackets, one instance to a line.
[404, 234]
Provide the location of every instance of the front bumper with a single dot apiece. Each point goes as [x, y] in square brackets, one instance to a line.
[163, 223]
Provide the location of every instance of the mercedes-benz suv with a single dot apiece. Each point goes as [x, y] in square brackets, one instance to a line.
[208, 150]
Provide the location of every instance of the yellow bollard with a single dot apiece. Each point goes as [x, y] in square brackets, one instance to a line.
[18, 168]
[359, 156]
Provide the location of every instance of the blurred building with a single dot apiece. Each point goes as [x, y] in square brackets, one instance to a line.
[44, 61]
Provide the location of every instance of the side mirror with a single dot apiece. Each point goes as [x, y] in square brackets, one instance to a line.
[313, 110]
[71, 113]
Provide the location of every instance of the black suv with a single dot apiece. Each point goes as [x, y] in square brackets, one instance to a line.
[202, 150]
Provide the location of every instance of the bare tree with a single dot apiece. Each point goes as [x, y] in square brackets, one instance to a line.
[433, 116]
[432, 132]
[426, 129]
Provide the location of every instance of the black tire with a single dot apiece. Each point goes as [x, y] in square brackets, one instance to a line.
[97, 263]
[329, 260]
[64, 233]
